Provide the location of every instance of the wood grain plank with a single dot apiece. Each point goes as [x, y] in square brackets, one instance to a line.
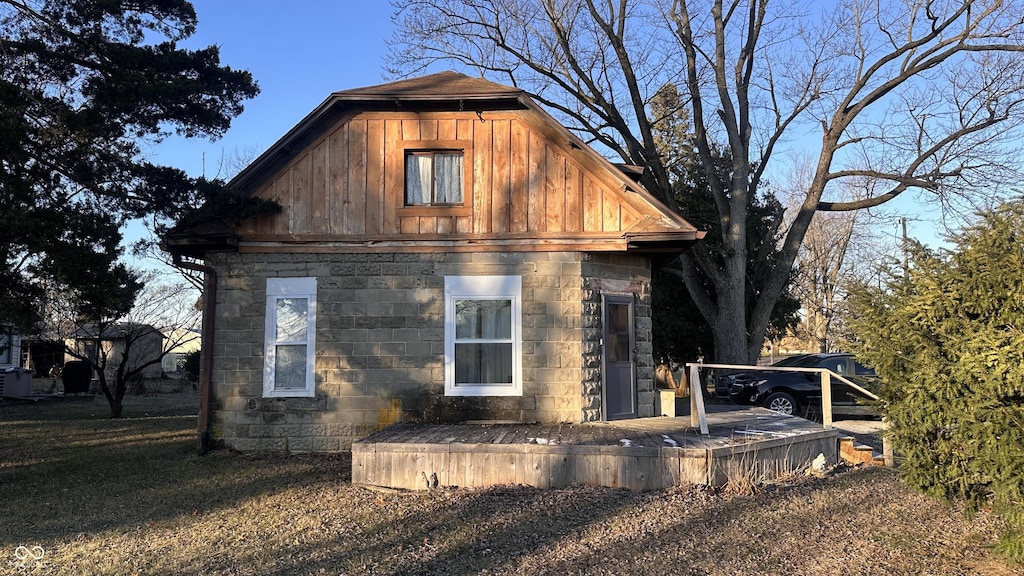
[409, 224]
[464, 128]
[518, 183]
[318, 190]
[481, 166]
[411, 129]
[628, 217]
[375, 178]
[573, 218]
[428, 129]
[356, 220]
[428, 225]
[300, 195]
[593, 206]
[447, 129]
[610, 213]
[537, 193]
[281, 192]
[394, 175]
[445, 225]
[554, 186]
[337, 175]
[500, 182]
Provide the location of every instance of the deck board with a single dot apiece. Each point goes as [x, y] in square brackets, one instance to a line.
[553, 455]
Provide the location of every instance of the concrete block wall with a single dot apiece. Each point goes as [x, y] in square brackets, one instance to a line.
[380, 345]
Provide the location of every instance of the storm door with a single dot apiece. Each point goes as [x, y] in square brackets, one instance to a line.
[619, 344]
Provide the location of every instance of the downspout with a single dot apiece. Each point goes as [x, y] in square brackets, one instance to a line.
[206, 355]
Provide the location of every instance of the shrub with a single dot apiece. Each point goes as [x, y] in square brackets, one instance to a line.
[947, 337]
[191, 364]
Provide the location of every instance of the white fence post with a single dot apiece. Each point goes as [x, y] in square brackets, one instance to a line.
[698, 416]
[826, 399]
[887, 452]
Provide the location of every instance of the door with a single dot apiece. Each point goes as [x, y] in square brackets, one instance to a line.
[619, 344]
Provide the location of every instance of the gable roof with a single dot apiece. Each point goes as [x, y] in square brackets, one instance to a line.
[443, 89]
[443, 85]
[661, 230]
[118, 331]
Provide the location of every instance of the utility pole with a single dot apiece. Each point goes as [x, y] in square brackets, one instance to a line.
[906, 246]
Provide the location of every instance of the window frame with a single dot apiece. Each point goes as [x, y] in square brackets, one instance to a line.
[464, 208]
[8, 340]
[286, 288]
[482, 288]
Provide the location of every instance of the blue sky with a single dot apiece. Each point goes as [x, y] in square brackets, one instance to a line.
[298, 51]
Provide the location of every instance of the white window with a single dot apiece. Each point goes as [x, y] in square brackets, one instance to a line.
[433, 178]
[290, 337]
[483, 336]
[8, 356]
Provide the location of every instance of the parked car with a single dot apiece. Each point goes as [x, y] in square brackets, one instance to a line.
[799, 393]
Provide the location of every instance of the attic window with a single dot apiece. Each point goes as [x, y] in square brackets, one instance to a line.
[433, 177]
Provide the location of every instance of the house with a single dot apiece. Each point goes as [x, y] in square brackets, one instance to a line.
[10, 347]
[446, 251]
[15, 381]
[142, 343]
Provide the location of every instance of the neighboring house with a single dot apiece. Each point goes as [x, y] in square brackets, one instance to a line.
[142, 342]
[10, 347]
[446, 252]
[15, 381]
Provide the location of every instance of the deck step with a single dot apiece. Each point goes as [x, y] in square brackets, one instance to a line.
[854, 453]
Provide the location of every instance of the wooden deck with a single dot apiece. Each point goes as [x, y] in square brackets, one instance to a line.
[641, 454]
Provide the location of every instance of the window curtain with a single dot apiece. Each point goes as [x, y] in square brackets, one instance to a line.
[448, 172]
[417, 179]
[292, 333]
[483, 362]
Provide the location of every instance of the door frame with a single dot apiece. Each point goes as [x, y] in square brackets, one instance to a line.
[629, 299]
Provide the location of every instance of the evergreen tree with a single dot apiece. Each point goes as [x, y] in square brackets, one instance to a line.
[947, 337]
[83, 85]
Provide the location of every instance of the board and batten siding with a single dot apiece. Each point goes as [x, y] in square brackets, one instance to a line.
[526, 181]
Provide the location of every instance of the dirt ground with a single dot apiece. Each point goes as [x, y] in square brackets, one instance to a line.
[132, 496]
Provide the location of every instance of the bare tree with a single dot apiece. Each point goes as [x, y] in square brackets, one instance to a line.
[230, 163]
[912, 95]
[122, 351]
[822, 265]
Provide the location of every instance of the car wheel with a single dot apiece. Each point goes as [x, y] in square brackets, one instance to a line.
[782, 403]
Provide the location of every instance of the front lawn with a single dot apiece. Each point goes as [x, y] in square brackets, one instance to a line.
[132, 496]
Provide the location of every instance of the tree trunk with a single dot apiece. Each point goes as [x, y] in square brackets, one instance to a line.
[115, 396]
[730, 332]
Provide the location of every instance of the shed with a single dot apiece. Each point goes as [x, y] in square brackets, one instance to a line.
[140, 345]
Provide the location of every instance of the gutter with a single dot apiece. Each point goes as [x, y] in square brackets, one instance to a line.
[206, 355]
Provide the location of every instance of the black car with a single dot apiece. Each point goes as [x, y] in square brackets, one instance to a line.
[799, 393]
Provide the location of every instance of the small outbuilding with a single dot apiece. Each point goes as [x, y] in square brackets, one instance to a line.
[137, 345]
[446, 251]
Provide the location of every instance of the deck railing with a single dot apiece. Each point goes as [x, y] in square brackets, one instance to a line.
[698, 414]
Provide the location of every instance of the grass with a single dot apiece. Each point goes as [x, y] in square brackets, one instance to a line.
[132, 496]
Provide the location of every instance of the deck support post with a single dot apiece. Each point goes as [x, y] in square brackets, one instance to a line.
[826, 399]
[887, 452]
[698, 416]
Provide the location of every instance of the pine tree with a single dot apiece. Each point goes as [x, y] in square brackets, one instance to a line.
[84, 85]
[947, 337]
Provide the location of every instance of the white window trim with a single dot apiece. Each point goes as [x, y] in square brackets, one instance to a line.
[289, 288]
[11, 340]
[483, 288]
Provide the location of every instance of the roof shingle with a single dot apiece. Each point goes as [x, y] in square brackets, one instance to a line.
[440, 85]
